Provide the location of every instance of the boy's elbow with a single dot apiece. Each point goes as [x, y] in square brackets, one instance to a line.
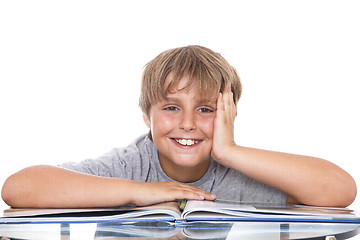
[350, 194]
[343, 196]
[9, 191]
[340, 194]
[17, 189]
[340, 191]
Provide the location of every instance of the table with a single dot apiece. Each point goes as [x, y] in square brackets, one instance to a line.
[164, 230]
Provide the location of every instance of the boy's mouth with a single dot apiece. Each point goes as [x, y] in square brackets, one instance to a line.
[186, 142]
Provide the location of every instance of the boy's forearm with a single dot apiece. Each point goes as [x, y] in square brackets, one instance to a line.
[306, 180]
[53, 187]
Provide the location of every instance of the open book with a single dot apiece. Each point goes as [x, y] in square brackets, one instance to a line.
[194, 211]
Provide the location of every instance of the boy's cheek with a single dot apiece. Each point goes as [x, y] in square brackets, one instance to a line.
[168, 120]
[208, 127]
[163, 122]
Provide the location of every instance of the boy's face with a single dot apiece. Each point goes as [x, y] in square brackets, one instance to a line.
[182, 129]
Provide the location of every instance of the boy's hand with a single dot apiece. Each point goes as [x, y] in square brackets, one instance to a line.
[156, 192]
[223, 138]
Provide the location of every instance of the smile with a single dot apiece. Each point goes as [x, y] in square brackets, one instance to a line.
[186, 142]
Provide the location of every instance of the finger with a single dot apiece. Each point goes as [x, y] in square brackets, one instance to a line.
[220, 101]
[197, 193]
[204, 194]
[185, 193]
[228, 87]
[232, 107]
[209, 196]
[227, 101]
[220, 105]
[227, 94]
[229, 107]
[198, 196]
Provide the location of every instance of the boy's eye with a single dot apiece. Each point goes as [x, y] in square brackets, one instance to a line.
[171, 108]
[205, 110]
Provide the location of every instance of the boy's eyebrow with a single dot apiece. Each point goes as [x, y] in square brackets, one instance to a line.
[167, 98]
[199, 101]
[207, 101]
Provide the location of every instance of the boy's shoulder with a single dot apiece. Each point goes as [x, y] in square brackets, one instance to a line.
[143, 141]
[136, 155]
[141, 147]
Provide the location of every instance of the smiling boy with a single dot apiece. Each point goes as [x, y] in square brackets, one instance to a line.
[188, 99]
[182, 129]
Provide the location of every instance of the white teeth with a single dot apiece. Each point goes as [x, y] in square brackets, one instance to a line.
[186, 142]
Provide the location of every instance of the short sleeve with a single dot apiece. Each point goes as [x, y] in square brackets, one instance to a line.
[107, 165]
[131, 162]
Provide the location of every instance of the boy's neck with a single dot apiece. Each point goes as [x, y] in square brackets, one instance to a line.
[185, 174]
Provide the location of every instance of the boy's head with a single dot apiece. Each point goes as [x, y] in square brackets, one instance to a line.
[207, 70]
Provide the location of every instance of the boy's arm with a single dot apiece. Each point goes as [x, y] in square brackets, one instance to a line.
[306, 180]
[54, 187]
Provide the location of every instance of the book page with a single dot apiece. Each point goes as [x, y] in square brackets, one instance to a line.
[167, 212]
[225, 209]
[28, 212]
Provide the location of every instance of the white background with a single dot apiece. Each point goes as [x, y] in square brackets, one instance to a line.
[70, 73]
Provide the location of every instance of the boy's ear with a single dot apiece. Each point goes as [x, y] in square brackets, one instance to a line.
[147, 121]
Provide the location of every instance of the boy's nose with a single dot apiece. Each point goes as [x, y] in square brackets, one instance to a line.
[188, 122]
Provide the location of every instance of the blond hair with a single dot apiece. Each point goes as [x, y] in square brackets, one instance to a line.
[206, 69]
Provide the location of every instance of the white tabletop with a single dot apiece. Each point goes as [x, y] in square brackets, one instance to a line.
[219, 230]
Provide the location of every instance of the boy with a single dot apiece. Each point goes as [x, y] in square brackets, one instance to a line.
[188, 99]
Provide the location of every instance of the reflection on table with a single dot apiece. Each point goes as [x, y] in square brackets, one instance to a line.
[164, 230]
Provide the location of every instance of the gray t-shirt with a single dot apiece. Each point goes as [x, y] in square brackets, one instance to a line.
[139, 162]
